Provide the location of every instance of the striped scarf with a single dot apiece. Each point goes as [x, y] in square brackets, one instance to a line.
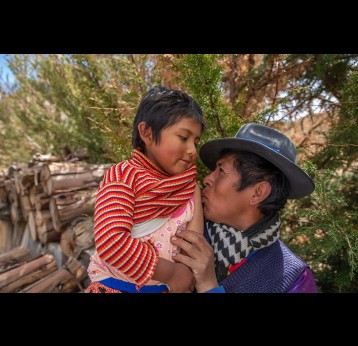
[157, 193]
[231, 246]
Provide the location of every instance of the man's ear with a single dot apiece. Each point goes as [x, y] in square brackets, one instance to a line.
[261, 191]
[145, 132]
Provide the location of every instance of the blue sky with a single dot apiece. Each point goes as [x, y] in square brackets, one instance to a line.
[4, 70]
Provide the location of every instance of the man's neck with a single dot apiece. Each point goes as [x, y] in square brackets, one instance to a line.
[246, 221]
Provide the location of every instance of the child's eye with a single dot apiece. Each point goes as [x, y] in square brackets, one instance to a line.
[183, 138]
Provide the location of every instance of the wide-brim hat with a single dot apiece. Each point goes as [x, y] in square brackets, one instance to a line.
[271, 145]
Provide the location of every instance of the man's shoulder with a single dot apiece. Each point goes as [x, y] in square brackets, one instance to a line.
[289, 254]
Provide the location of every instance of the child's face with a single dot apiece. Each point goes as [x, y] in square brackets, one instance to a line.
[176, 150]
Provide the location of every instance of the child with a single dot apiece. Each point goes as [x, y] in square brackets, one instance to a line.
[142, 202]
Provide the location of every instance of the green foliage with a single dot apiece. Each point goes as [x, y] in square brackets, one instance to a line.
[323, 231]
[201, 76]
[342, 148]
[81, 101]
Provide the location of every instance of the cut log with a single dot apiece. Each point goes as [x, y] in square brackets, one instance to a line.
[68, 242]
[17, 233]
[54, 248]
[44, 226]
[4, 212]
[78, 236]
[73, 167]
[14, 257]
[42, 201]
[70, 182]
[11, 275]
[11, 191]
[44, 158]
[85, 256]
[34, 247]
[32, 226]
[35, 194]
[25, 179]
[30, 278]
[16, 214]
[14, 168]
[49, 236]
[25, 205]
[5, 235]
[66, 279]
[4, 202]
[65, 207]
[43, 217]
[62, 177]
[3, 193]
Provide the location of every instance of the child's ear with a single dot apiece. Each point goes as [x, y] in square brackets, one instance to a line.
[145, 132]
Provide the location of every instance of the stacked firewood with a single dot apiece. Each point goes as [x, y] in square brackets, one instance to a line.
[46, 224]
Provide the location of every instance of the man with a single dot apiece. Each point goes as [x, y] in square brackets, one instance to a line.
[253, 175]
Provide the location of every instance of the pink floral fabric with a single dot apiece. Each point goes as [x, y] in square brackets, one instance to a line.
[99, 270]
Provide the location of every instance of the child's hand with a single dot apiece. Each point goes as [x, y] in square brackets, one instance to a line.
[182, 279]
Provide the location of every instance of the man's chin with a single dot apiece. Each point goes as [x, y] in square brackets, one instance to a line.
[206, 214]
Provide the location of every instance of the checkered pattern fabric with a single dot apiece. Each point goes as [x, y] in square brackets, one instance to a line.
[231, 246]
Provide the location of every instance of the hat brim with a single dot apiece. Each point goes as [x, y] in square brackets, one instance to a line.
[300, 183]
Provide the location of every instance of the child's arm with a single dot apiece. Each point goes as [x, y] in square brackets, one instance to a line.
[197, 223]
[178, 277]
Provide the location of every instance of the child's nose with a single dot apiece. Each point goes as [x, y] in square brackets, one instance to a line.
[191, 149]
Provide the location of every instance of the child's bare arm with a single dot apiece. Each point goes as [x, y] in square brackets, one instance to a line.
[197, 223]
[178, 277]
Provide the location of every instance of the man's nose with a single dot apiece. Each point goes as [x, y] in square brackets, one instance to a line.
[208, 179]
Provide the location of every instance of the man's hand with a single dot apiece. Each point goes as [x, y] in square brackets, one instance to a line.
[199, 257]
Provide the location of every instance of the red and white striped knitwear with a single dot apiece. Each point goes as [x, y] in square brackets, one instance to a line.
[131, 192]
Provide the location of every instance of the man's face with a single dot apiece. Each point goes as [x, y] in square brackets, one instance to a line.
[221, 201]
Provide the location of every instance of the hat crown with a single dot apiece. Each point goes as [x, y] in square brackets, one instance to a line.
[270, 138]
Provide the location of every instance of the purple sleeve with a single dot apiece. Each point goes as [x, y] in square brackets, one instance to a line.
[304, 284]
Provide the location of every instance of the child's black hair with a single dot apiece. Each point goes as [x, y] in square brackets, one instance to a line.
[160, 108]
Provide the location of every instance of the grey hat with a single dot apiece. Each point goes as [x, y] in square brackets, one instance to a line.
[271, 145]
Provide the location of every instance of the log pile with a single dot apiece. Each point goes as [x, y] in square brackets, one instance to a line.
[46, 224]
